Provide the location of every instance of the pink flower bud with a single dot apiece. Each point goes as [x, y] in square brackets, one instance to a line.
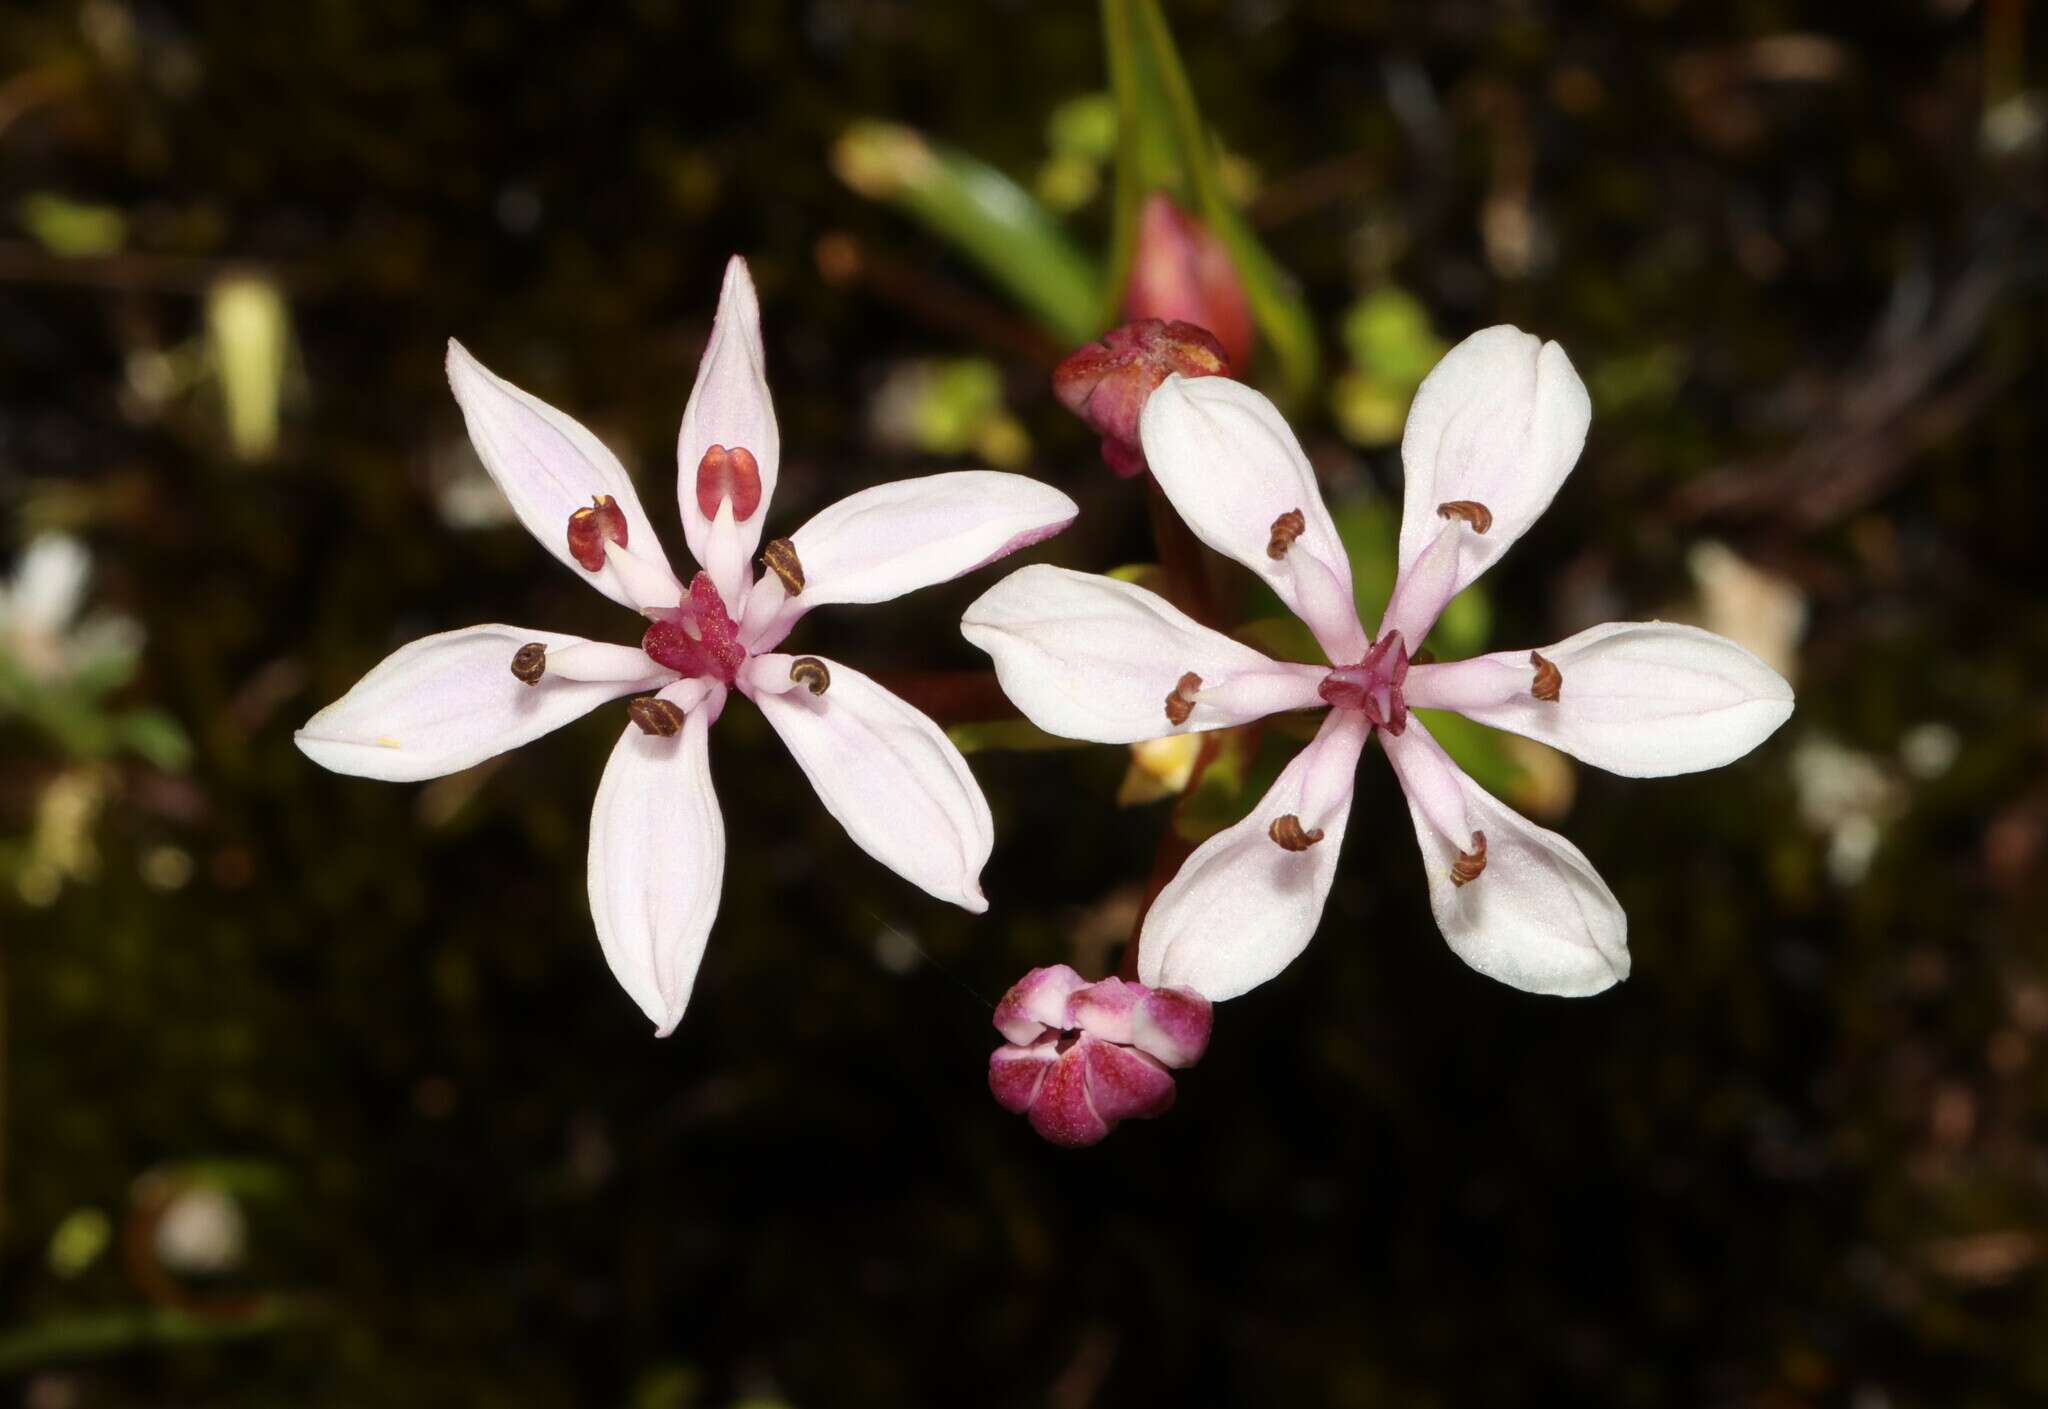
[1182, 273]
[1082, 1057]
[1107, 383]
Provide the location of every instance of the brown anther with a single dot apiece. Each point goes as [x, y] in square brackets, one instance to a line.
[779, 557]
[1287, 834]
[530, 662]
[655, 716]
[589, 528]
[1181, 703]
[1549, 679]
[1467, 868]
[810, 672]
[1288, 527]
[1471, 511]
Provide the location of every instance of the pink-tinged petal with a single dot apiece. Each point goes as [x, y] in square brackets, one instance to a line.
[1243, 906]
[1124, 1084]
[1235, 472]
[657, 861]
[1644, 699]
[1173, 1024]
[1038, 1002]
[1088, 657]
[729, 408]
[1425, 588]
[548, 466]
[1016, 1074]
[1063, 1112]
[1182, 273]
[1538, 917]
[601, 660]
[643, 584]
[1434, 785]
[896, 538]
[1499, 423]
[443, 703]
[1107, 1009]
[892, 778]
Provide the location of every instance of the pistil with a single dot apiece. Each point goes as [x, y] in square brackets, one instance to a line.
[697, 638]
[1373, 686]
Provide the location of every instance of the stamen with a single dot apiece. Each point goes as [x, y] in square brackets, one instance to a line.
[1288, 527]
[779, 557]
[1288, 835]
[655, 716]
[810, 672]
[1470, 864]
[1549, 679]
[1181, 703]
[589, 528]
[1471, 511]
[530, 662]
[729, 474]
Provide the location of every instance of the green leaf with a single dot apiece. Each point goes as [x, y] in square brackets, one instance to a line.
[98, 1334]
[1011, 734]
[1476, 749]
[1163, 145]
[982, 213]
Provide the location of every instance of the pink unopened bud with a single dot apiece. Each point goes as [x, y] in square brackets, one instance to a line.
[589, 528]
[1081, 1057]
[1182, 273]
[1107, 383]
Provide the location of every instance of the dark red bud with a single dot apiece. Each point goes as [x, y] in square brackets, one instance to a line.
[1107, 383]
[589, 528]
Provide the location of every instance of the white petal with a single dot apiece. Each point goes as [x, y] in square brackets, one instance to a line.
[1088, 657]
[892, 778]
[1645, 699]
[1539, 917]
[657, 864]
[1242, 906]
[49, 586]
[729, 406]
[445, 702]
[1232, 468]
[896, 538]
[1499, 422]
[548, 466]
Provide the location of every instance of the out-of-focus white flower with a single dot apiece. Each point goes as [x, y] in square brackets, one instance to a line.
[1759, 611]
[1847, 796]
[40, 631]
[202, 1232]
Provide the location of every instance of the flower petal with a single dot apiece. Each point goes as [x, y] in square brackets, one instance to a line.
[1539, 917]
[1644, 699]
[1124, 1083]
[892, 778]
[1088, 657]
[729, 406]
[1015, 1073]
[1234, 471]
[548, 466]
[1037, 1003]
[1242, 907]
[443, 703]
[1062, 1112]
[1499, 422]
[896, 538]
[657, 864]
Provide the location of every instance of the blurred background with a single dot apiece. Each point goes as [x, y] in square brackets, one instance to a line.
[317, 1091]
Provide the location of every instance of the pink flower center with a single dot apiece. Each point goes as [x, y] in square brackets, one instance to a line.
[697, 638]
[1373, 686]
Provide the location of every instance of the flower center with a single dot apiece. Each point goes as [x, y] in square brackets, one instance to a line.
[697, 637]
[1373, 686]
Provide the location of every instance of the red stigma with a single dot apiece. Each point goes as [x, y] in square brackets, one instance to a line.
[698, 638]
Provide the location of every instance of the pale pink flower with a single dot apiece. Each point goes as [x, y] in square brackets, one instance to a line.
[657, 839]
[1081, 1057]
[1494, 430]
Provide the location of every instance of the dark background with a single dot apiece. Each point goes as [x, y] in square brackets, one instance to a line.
[1796, 1160]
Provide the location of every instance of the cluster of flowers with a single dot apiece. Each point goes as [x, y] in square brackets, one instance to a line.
[1492, 434]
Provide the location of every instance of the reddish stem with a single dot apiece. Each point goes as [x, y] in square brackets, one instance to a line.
[951, 696]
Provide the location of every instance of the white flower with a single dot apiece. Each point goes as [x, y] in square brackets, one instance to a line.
[1494, 430]
[40, 632]
[657, 839]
